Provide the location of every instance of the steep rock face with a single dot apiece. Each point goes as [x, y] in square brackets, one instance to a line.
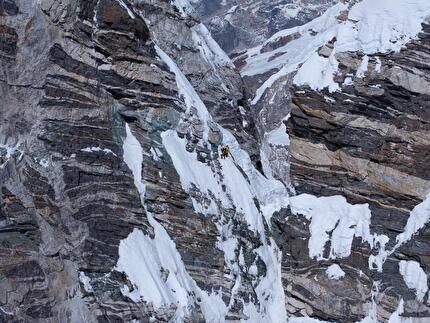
[115, 205]
[240, 24]
[84, 173]
[358, 128]
[370, 143]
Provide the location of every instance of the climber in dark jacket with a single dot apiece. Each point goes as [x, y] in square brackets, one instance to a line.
[225, 151]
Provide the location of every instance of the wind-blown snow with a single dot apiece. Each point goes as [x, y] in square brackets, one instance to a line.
[414, 277]
[335, 272]
[133, 157]
[334, 214]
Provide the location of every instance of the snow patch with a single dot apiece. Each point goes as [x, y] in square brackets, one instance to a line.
[318, 72]
[279, 136]
[158, 274]
[418, 218]
[184, 7]
[382, 26]
[156, 153]
[348, 81]
[362, 69]
[86, 281]
[414, 277]
[98, 149]
[10, 151]
[378, 65]
[335, 272]
[133, 157]
[334, 214]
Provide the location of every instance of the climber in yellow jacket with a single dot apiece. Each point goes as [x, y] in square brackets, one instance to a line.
[225, 151]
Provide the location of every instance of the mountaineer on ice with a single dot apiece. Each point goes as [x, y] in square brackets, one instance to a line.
[225, 151]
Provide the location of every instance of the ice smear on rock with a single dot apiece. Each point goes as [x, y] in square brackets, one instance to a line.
[192, 172]
[9, 152]
[395, 317]
[133, 157]
[86, 282]
[362, 69]
[98, 149]
[209, 48]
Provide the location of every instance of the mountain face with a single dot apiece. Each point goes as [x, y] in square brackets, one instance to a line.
[116, 206]
[240, 24]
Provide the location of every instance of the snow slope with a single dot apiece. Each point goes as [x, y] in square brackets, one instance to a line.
[372, 27]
